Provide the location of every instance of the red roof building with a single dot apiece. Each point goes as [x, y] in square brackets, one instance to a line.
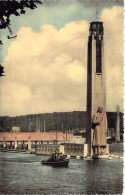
[35, 136]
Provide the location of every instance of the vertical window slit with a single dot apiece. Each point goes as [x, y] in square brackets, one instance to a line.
[98, 57]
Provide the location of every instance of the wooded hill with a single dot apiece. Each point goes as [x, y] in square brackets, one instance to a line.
[60, 121]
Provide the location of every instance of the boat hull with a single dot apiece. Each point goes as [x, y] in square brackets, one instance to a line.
[56, 163]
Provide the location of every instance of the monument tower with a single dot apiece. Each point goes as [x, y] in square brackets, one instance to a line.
[96, 85]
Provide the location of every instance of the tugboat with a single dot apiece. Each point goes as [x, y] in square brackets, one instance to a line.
[56, 160]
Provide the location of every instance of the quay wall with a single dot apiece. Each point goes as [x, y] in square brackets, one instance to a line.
[69, 149]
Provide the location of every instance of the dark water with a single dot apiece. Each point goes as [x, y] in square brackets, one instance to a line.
[24, 174]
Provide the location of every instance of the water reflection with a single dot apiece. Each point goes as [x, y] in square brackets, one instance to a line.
[105, 177]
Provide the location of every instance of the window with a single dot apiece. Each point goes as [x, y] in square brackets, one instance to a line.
[98, 57]
[94, 32]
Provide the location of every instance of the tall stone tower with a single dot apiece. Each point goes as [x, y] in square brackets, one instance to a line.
[96, 88]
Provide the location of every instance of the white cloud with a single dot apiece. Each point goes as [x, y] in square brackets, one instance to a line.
[46, 70]
[113, 25]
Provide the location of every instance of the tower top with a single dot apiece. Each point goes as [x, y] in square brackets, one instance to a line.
[96, 28]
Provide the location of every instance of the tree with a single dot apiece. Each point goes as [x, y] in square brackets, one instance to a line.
[1, 71]
[16, 7]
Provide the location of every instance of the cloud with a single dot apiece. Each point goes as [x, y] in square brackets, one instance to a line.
[46, 70]
[113, 25]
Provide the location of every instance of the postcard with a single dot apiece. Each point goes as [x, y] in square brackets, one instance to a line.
[61, 97]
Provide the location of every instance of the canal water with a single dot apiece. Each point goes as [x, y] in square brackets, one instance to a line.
[24, 174]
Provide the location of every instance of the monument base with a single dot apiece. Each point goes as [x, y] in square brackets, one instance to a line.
[100, 156]
[104, 153]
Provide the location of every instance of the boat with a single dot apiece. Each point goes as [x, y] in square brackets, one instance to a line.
[63, 163]
[56, 160]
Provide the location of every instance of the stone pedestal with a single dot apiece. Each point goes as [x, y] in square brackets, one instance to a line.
[106, 150]
[85, 152]
[61, 148]
[4, 144]
[15, 145]
[103, 155]
[29, 145]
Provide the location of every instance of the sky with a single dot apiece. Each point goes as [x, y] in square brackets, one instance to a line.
[46, 65]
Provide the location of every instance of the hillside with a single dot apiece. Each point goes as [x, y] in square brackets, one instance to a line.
[53, 121]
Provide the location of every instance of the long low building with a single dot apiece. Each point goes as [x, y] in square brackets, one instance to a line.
[43, 142]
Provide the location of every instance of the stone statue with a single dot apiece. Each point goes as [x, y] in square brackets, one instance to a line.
[99, 124]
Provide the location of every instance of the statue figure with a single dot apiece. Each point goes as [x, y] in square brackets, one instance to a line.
[99, 124]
